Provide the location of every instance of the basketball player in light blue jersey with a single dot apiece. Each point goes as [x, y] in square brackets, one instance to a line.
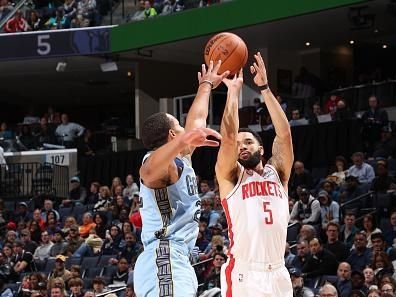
[170, 206]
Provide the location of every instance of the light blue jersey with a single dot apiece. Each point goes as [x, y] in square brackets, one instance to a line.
[170, 218]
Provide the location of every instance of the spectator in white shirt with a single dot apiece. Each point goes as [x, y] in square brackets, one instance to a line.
[42, 251]
[68, 131]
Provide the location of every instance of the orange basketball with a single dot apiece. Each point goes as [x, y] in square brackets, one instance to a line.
[230, 49]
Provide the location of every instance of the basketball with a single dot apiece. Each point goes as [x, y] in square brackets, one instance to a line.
[230, 49]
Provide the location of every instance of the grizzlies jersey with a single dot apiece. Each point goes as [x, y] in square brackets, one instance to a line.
[172, 213]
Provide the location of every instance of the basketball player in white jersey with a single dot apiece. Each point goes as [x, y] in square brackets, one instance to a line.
[254, 197]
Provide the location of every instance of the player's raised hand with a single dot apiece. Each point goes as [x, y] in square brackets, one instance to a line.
[211, 74]
[259, 71]
[236, 82]
[199, 137]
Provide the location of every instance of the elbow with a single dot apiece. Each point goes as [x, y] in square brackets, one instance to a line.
[285, 133]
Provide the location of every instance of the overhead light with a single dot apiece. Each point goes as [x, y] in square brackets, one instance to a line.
[307, 43]
[61, 67]
[351, 41]
[108, 66]
[376, 31]
[384, 46]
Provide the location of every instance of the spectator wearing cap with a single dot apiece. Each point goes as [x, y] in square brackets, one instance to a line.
[131, 187]
[42, 252]
[307, 210]
[60, 269]
[343, 281]
[386, 147]
[329, 209]
[73, 240]
[352, 191]
[303, 253]
[299, 290]
[48, 206]
[22, 212]
[59, 246]
[99, 285]
[300, 176]
[321, 261]
[28, 243]
[360, 256]
[77, 194]
[334, 245]
[23, 259]
[363, 171]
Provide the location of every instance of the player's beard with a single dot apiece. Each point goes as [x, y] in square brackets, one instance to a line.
[252, 162]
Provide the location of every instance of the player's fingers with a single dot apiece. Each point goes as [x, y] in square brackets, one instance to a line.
[211, 132]
[203, 69]
[225, 74]
[256, 67]
[217, 67]
[199, 76]
[211, 143]
[210, 68]
[252, 70]
[240, 74]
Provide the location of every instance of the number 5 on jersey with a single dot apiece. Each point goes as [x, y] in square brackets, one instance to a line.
[268, 219]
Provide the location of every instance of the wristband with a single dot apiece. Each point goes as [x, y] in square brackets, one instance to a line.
[264, 87]
[207, 81]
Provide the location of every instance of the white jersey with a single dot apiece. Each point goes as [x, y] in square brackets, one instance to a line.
[257, 212]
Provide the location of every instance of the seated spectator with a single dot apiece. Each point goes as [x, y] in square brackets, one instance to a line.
[91, 247]
[49, 206]
[386, 147]
[35, 22]
[369, 226]
[316, 111]
[87, 225]
[303, 253]
[51, 224]
[22, 213]
[201, 242]
[388, 289]
[328, 290]
[381, 261]
[10, 237]
[298, 284]
[117, 206]
[99, 285]
[131, 250]
[295, 117]
[77, 194]
[16, 24]
[93, 195]
[360, 256]
[52, 116]
[338, 172]
[75, 271]
[334, 245]
[148, 10]
[4, 131]
[348, 230]
[57, 292]
[69, 221]
[100, 219]
[139, 14]
[23, 259]
[374, 293]
[76, 285]
[34, 280]
[57, 20]
[329, 209]
[343, 112]
[321, 261]
[130, 188]
[130, 291]
[28, 243]
[171, 6]
[207, 213]
[111, 244]
[104, 201]
[70, 10]
[205, 190]
[363, 171]
[331, 105]
[343, 283]
[43, 250]
[59, 246]
[373, 120]
[307, 210]
[300, 176]
[213, 280]
[307, 232]
[353, 189]
[289, 256]
[378, 241]
[390, 236]
[60, 269]
[357, 279]
[27, 139]
[73, 240]
[5, 8]
[120, 276]
[331, 188]
[38, 219]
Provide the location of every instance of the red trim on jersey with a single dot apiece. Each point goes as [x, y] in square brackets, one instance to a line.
[230, 267]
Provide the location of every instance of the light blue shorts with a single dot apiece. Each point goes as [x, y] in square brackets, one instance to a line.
[164, 270]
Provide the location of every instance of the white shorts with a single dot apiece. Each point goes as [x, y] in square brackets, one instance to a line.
[241, 279]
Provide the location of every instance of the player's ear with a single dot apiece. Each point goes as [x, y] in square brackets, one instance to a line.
[172, 133]
[261, 150]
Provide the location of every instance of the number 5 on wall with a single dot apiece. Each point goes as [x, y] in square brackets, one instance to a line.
[268, 220]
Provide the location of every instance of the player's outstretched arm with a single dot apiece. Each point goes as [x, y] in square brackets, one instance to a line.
[156, 171]
[208, 79]
[282, 148]
[227, 158]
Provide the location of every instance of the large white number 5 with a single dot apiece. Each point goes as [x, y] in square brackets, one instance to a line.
[43, 46]
[268, 220]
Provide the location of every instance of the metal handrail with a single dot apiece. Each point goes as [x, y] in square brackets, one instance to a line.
[202, 262]
[112, 291]
[369, 193]
[12, 13]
